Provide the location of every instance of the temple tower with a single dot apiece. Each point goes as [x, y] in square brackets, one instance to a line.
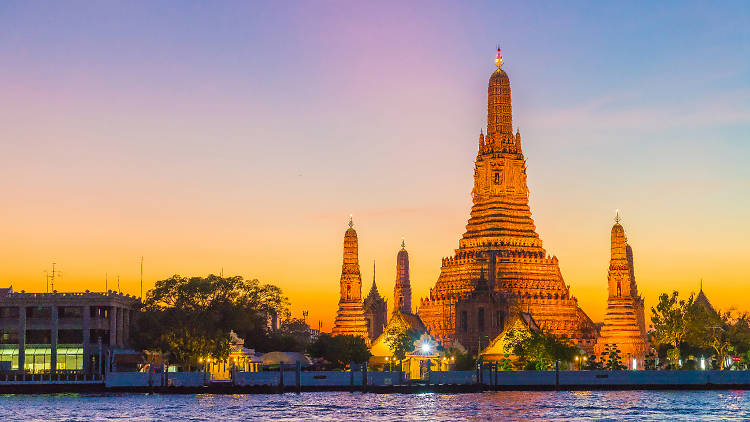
[402, 289]
[624, 322]
[350, 317]
[375, 310]
[501, 233]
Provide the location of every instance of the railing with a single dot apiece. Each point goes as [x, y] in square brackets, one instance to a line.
[10, 377]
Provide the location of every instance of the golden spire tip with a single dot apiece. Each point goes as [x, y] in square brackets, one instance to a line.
[499, 58]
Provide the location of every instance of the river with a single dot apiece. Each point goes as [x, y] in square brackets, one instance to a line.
[336, 406]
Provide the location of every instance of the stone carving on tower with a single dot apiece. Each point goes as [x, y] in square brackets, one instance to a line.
[500, 223]
[350, 317]
[376, 310]
[624, 322]
[402, 289]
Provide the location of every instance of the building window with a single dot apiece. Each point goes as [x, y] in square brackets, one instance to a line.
[35, 336]
[96, 334]
[8, 336]
[497, 178]
[70, 312]
[71, 336]
[70, 358]
[9, 312]
[480, 319]
[39, 312]
[464, 321]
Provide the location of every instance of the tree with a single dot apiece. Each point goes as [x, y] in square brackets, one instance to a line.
[190, 318]
[539, 350]
[401, 341]
[673, 321]
[296, 332]
[339, 350]
[610, 358]
[464, 361]
[723, 333]
[592, 364]
[505, 363]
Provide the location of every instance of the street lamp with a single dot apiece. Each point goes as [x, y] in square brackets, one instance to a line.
[578, 364]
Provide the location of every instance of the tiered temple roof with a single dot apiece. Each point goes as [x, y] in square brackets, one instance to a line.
[375, 310]
[500, 223]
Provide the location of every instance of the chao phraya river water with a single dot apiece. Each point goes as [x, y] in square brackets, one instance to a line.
[598, 405]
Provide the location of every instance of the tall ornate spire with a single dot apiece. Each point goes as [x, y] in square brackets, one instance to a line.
[500, 177]
[624, 321]
[499, 113]
[350, 317]
[619, 244]
[402, 289]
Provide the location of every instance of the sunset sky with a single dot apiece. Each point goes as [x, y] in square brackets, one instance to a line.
[205, 135]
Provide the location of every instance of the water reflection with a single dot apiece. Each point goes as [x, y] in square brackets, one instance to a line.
[509, 405]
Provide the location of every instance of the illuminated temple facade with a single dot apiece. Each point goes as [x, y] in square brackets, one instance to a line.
[350, 318]
[501, 241]
[624, 322]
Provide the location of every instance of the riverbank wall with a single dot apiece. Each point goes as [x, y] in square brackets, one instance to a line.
[386, 382]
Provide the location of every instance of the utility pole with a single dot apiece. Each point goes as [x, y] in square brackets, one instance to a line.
[118, 283]
[141, 277]
[106, 289]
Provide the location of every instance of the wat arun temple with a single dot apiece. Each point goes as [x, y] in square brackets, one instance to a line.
[501, 239]
[500, 272]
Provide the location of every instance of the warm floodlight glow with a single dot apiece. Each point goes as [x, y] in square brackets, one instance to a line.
[425, 348]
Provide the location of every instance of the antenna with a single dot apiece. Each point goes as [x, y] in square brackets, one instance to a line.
[106, 288]
[51, 278]
[118, 283]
